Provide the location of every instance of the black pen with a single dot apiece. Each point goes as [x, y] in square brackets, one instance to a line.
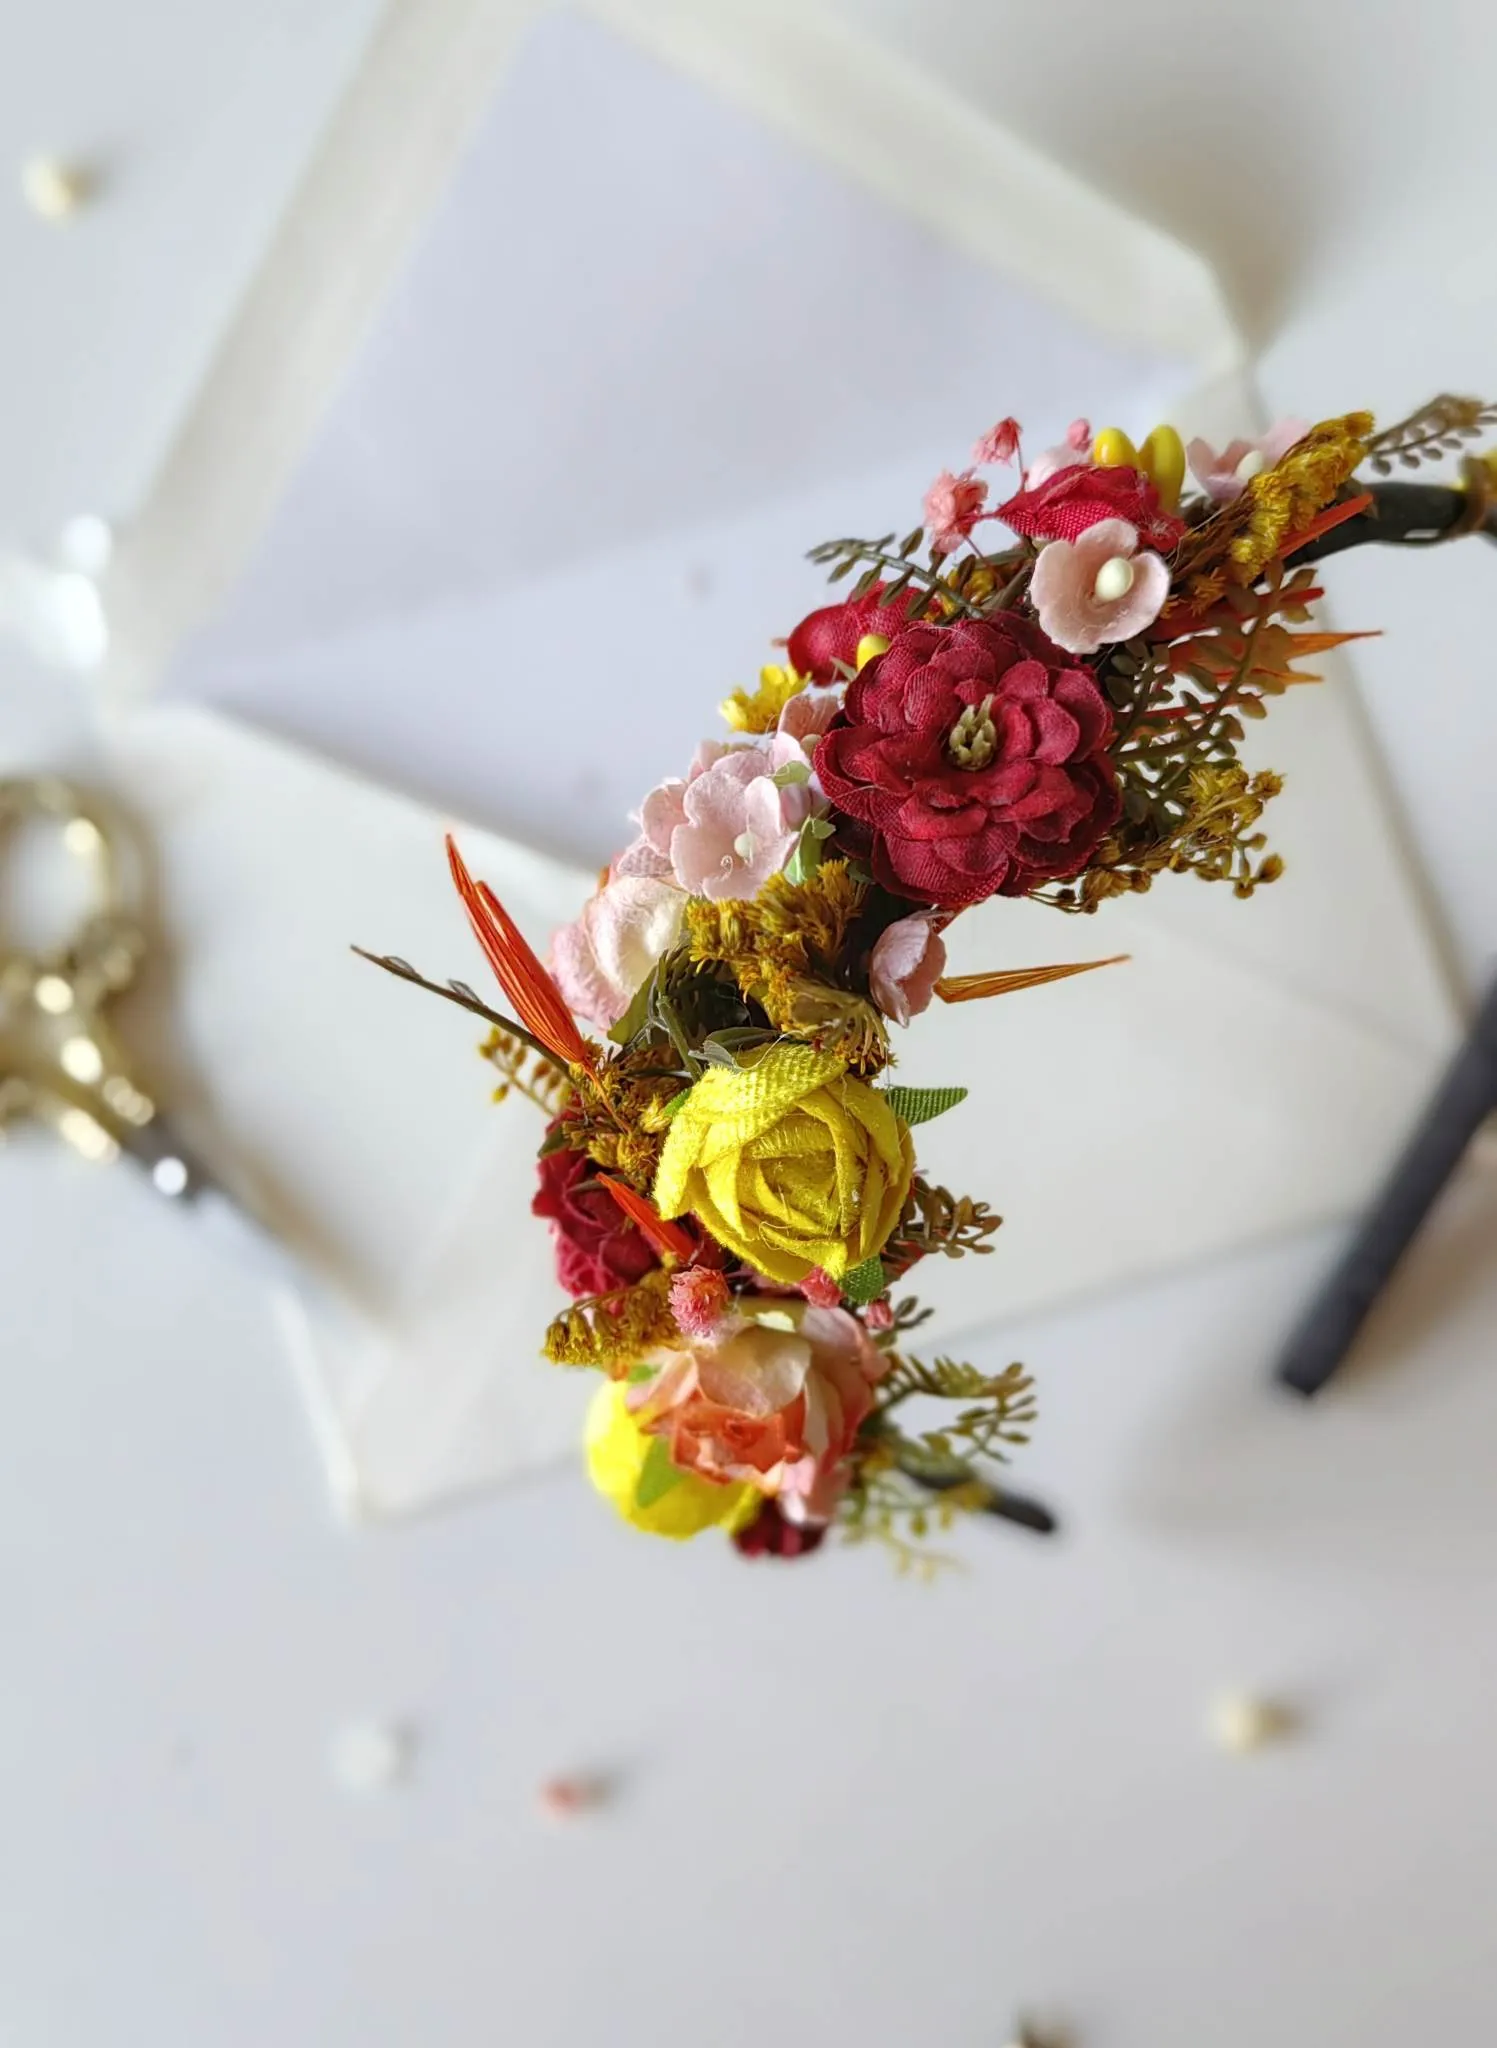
[1463, 1101]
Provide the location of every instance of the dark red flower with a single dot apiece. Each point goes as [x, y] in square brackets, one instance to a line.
[1071, 500]
[974, 757]
[597, 1248]
[831, 635]
[770, 1535]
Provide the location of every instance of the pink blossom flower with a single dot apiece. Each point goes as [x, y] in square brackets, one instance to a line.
[731, 824]
[601, 959]
[907, 962]
[1224, 476]
[879, 1315]
[1098, 588]
[808, 715]
[953, 506]
[998, 444]
[640, 858]
[776, 1407]
[699, 1301]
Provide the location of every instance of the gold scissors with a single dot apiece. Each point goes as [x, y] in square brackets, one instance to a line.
[60, 1059]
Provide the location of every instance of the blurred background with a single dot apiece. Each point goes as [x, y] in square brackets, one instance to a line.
[353, 353]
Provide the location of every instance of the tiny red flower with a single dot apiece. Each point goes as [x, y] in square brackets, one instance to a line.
[998, 444]
[770, 1535]
[699, 1300]
[1071, 500]
[820, 1289]
[953, 506]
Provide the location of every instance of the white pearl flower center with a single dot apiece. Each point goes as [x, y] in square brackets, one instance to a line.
[1252, 464]
[1114, 580]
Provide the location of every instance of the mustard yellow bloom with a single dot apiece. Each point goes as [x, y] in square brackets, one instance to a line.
[760, 712]
[791, 1163]
[617, 1452]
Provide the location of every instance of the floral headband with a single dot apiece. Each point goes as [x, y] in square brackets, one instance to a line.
[1054, 712]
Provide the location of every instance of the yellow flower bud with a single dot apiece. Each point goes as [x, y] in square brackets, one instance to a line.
[791, 1163]
[870, 645]
[1113, 450]
[617, 1449]
[1163, 458]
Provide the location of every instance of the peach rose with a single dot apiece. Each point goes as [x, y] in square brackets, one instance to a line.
[775, 1402]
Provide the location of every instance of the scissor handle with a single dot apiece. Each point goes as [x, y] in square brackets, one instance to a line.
[100, 956]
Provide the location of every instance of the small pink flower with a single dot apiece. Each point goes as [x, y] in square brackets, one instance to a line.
[820, 1289]
[602, 958]
[730, 825]
[1098, 588]
[1226, 475]
[907, 962]
[879, 1315]
[999, 444]
[699, 1301]
[1079, 435]
[953, 506]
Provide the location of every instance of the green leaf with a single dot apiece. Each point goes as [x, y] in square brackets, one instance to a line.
[640, 1373]
[866, 1282]
[919, 1105]
[791, 773]
[657, 1475]
[806, 858]
[672, 1106]
[636, 1018]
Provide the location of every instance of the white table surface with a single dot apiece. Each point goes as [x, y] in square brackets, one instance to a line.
[848, 1808]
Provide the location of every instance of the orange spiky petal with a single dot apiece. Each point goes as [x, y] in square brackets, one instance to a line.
[536, 999]
[1333, 515]
[967, 988]
[669, 1239]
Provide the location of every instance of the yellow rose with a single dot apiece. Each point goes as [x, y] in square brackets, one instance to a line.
[622, 1463]
[791, 1163]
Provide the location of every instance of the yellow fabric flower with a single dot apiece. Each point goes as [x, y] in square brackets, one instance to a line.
[791, 1163]
[618, 1451]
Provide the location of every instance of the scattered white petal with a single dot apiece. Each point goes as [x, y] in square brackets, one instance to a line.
[1242, 1721]
[372, 1756]
[53, 188]
[86, 544]
[57, 612]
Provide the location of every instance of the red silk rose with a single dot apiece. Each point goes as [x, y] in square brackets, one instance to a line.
[831, 635]
[1071, 500]
[597, 1249]
[974, 757]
